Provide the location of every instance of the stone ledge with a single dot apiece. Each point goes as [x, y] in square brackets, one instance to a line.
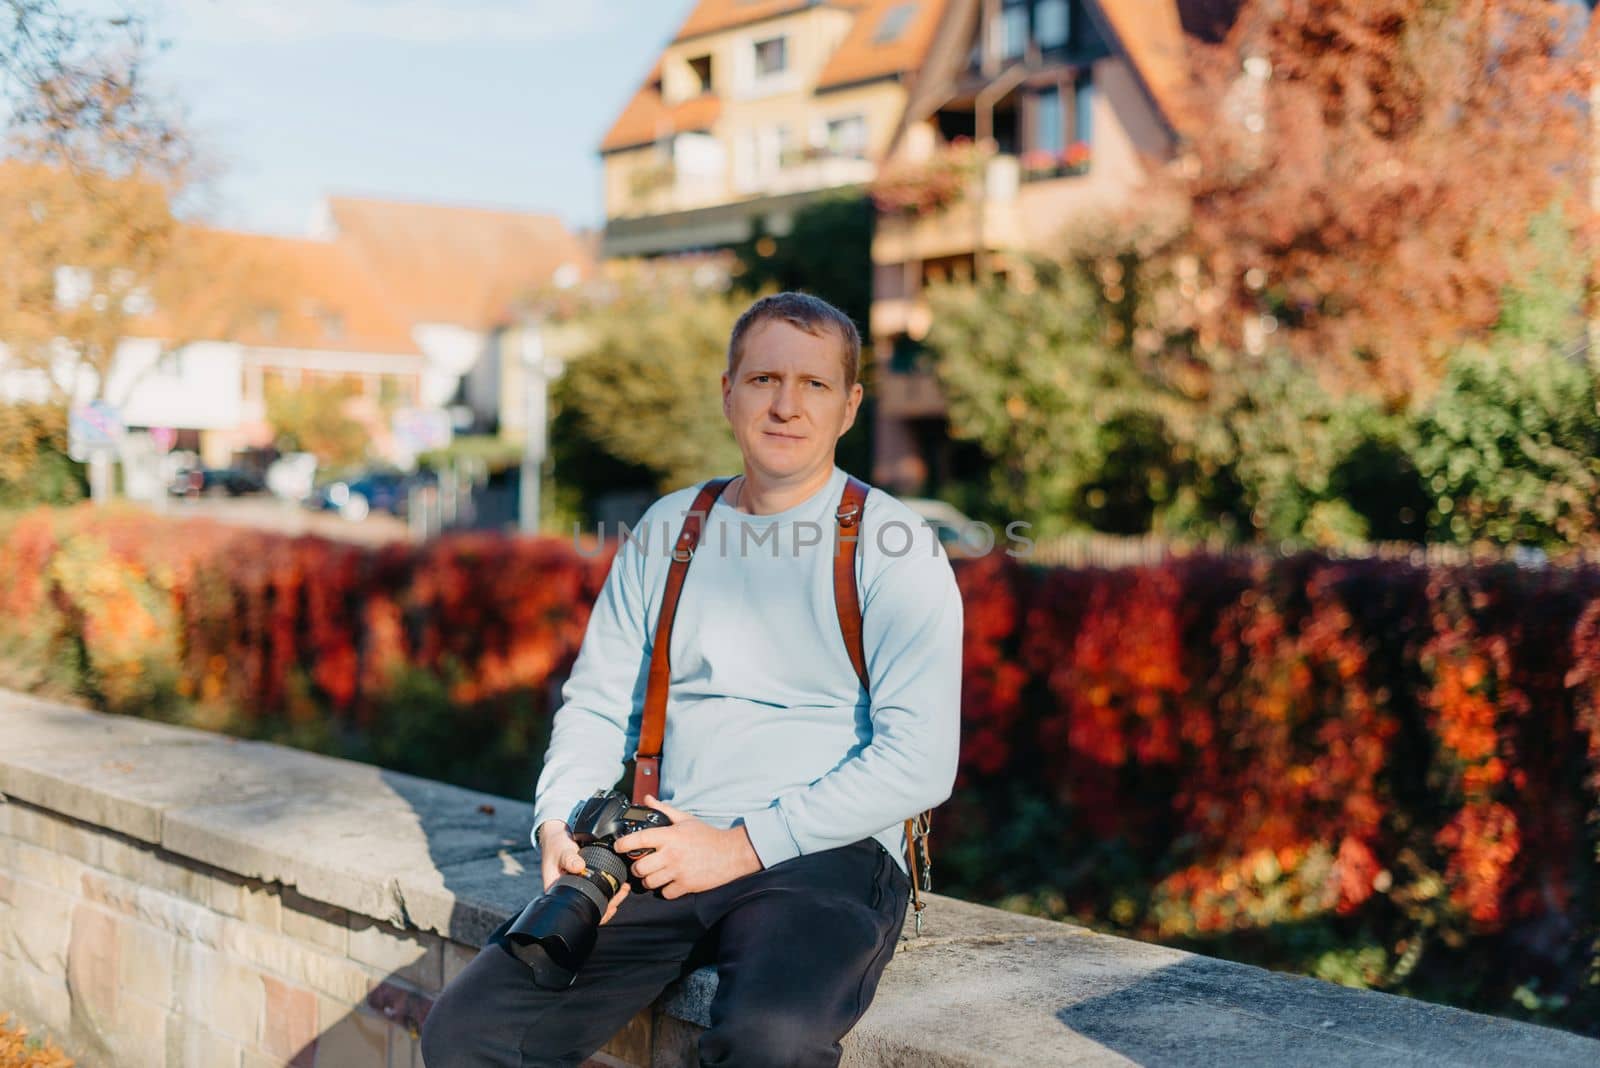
[980, 987]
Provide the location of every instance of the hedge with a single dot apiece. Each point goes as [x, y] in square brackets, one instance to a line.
[1382, 773]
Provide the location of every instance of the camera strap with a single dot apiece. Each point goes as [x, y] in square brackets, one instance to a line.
[847, 600]
[653, 724]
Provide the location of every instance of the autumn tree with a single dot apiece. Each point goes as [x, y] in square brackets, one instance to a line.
[317, 420]
[644, 391]
[92, 165]
[1368, 187]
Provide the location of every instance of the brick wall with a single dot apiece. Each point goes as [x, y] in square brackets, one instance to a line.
[137, 957]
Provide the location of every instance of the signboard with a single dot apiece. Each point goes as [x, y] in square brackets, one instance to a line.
[417, 430]
[93, 427]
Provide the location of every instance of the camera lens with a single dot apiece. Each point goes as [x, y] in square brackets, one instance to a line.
[554, 934]
[607, 871]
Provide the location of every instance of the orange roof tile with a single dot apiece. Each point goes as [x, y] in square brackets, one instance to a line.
[289, 293]
[709, 16]
[329, 301]
[648, 117]
[466, 266]
[1151, 36]
[860, 57]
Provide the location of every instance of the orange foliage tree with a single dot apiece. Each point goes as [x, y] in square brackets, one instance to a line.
[91, 165]
[1367, 189]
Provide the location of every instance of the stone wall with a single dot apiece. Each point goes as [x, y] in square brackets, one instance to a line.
[142, 958]
[171, 897]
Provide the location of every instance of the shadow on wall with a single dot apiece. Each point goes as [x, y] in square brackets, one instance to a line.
[479, 866]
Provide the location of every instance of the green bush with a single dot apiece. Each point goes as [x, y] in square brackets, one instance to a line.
[1510, 449]
[34, 467]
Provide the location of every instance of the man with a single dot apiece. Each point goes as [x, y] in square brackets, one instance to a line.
[785, 781]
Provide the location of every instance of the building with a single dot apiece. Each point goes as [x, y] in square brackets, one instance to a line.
[1080, 101]
[755, 108]
[406, 305]
[461, 279]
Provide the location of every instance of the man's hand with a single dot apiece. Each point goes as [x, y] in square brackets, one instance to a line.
[690, 856]
[558, 856]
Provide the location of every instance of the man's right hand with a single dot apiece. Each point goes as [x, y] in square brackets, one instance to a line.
[558, 856]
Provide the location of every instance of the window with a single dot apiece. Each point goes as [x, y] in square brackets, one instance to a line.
[1083, 110]
[772, 57]
[847, 137]
[1012, 34]
[700, 67]
[758, 155]
[778, 151]
[744, 161]
[906, 355]
[893, 24]
[1052, 25]
[1049, 122]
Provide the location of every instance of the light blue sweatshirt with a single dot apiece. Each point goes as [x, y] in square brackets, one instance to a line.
[767, 724]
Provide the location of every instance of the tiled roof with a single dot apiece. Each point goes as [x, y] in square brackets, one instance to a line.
[648, 117]
[1151, 35]
[860, 56]
[709, 16]
[277, 292]
[315, 295]
[466, 266]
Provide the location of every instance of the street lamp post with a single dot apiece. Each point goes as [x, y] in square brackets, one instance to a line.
[535, 408]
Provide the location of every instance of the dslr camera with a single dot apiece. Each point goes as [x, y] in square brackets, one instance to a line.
[555, 931]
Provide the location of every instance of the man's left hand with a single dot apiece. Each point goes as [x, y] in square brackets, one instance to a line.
[690, 856]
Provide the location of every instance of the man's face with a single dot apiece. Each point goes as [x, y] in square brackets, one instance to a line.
[787, 401]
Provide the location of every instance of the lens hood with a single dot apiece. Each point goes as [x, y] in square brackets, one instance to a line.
[554, 934]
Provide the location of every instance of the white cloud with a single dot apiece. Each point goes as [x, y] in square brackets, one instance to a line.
[417, 21]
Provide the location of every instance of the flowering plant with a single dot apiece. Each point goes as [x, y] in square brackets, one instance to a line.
[922, 187]
[1044, 163]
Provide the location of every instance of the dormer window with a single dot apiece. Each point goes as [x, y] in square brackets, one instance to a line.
[893, 25]
[772, 57]
[700, 67]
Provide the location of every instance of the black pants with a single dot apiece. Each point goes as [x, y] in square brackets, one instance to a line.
[798, 947]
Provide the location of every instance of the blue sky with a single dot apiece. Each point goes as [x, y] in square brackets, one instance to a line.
[493, 102]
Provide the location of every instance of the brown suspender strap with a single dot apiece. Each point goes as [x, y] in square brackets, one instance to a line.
[653, 724]
[847, 600]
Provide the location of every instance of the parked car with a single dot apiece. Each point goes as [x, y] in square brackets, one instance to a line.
[293, 477]
[961, 537]
[357, 496]
[215, 482]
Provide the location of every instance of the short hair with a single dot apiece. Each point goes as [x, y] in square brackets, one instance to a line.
[804, 312]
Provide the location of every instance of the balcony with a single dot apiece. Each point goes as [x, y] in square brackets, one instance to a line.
[950, 232]
[803, 174]
[663, 188]
[1027, 202]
